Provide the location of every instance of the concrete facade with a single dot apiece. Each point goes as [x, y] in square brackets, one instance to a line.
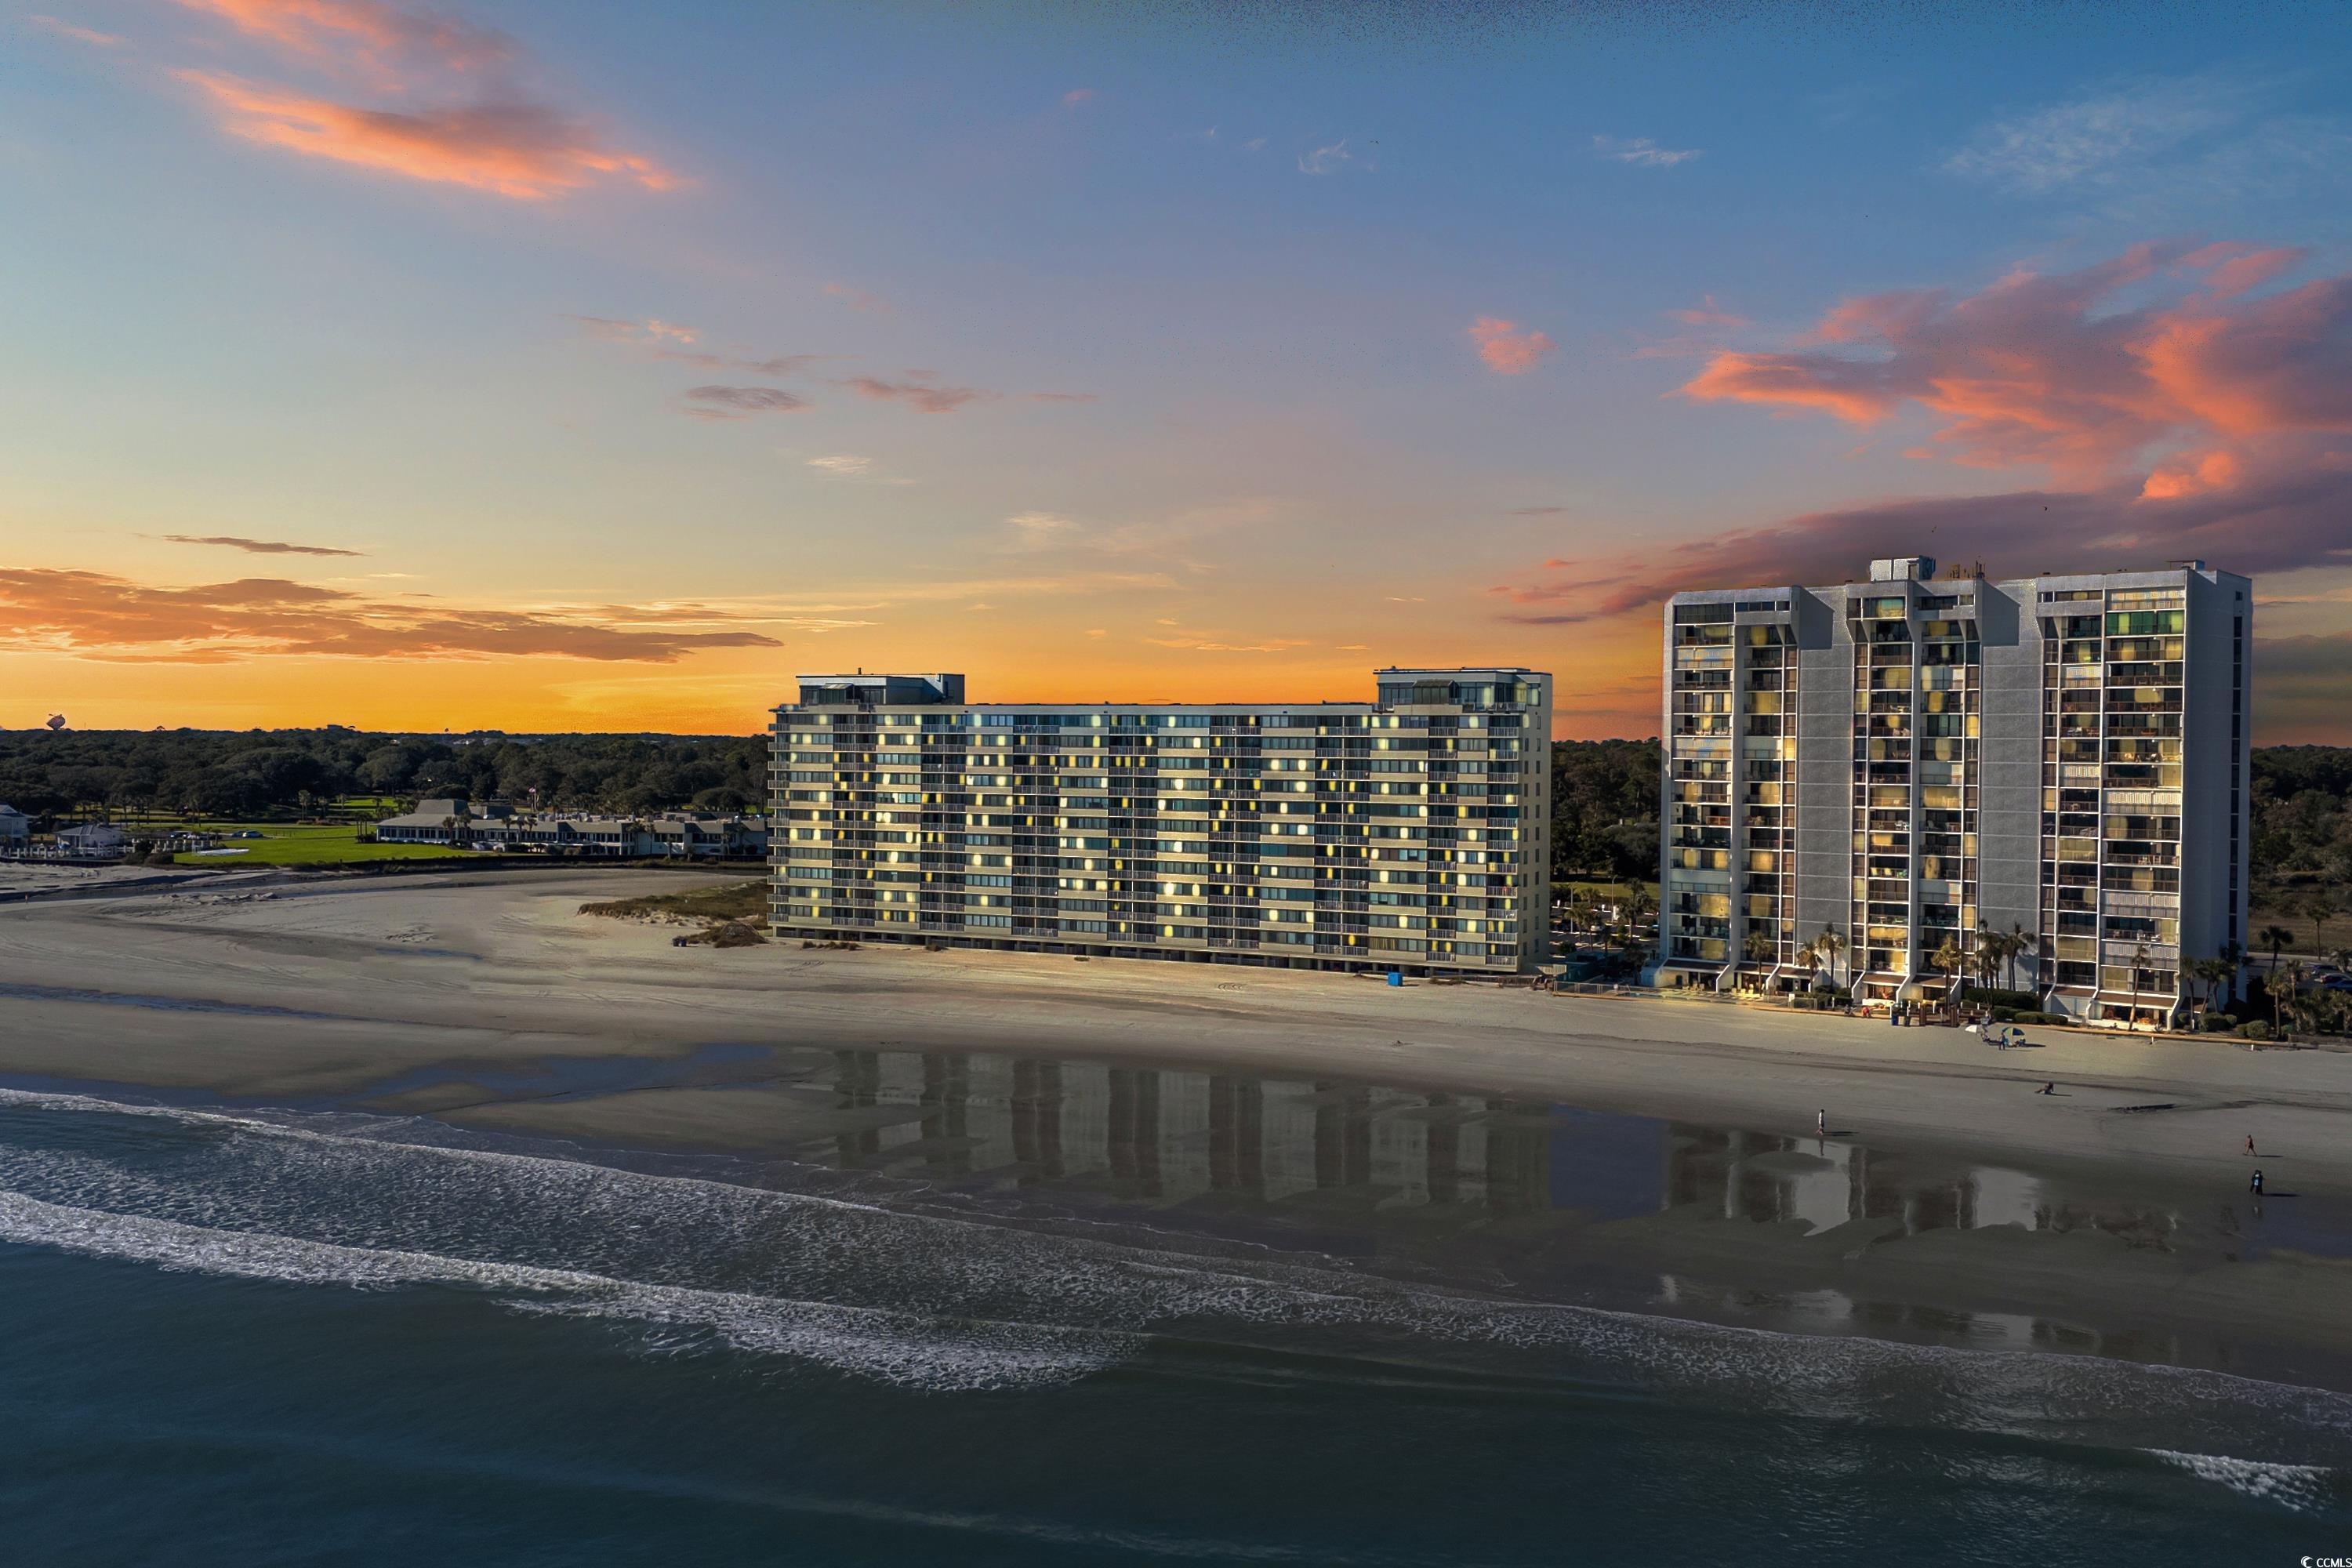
[1411, 833]
[1916, 764]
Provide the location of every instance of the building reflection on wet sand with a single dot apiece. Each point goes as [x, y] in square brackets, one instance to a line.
[1170, 1135]
[1323, 1149]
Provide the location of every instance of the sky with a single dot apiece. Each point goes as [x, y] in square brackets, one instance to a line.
[592, 367]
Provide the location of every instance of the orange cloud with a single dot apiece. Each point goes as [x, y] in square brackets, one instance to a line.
[2239, 267]
[1707, 313]
[1508, 350]
[518, 150]
[2043, 369]
[2191, 475]
[95, 614]
[79, 34]
[917, 394]
[384, 40]
[463, 120]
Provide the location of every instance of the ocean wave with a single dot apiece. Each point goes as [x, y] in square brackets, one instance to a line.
[949, 1303]
[2306, 1488]
[893, 1347]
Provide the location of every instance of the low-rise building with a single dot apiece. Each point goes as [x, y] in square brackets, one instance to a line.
[497, 826]
[92, 840]
[16, 828]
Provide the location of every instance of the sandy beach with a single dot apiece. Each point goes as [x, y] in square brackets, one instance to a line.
[446, 994]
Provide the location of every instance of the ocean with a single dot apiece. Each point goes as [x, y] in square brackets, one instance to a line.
[1038, 1312]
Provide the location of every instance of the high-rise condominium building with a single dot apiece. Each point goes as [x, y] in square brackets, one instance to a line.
[1411, 833]
[1920, 765]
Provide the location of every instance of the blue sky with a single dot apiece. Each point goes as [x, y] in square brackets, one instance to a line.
[415, 283]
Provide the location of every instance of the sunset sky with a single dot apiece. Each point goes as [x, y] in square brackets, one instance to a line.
[597, 366]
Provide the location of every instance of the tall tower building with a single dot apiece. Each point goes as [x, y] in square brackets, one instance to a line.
[1409, 833]
[1918, 766]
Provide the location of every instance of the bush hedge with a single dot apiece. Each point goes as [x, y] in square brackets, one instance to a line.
[1987, 996]
[2217, 1022]
[2255, 1030]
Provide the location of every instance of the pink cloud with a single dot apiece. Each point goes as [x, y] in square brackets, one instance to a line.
[2210, 421]
[1508, 350]
[917, 394]
[96, 615]
[859, 298]
[524, 150]
[78, 34]
[2237, 267]
[1078, 95]
[1707, 313]
[2045, 369]
[383, 40]
[462, 120]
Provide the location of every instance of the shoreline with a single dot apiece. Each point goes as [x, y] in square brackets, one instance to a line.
[487, 1004]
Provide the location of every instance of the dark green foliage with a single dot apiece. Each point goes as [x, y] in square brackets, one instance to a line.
[253, 773]
[1997, 999]
[1604, 809]
[2303, 814]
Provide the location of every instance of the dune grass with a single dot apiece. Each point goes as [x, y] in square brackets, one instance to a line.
[735, 901]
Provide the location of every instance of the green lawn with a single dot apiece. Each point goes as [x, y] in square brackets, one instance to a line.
[1605, 889]
[288, 844]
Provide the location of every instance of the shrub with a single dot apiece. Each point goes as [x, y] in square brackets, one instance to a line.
[2255, 1030]
[2004, 1014]
[1988, 997]
[2034, 1016]
[2217, 1022]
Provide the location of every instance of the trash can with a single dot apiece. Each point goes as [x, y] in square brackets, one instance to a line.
[1396, 977]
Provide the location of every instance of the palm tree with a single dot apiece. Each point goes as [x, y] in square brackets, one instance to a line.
[2014, 946]
[2139, 972]
[1948, 960]
[1984, 953]
[2318, 907]
[1583, 909]
[2276, 937]
[1830, 944]
[2212, 974]
[2289, 980]
[1637, 907]
[2234, 957]
[1759, 946]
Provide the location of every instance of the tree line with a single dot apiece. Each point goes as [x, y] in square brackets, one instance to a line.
[1604, 792]
[248, 773]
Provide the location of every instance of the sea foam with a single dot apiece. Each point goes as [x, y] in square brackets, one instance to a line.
[954, 1304]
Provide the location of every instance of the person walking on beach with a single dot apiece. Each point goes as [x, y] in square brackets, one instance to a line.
[1820, 1123]
[2047, 1089]
[2255, 1187]
[2250, 1147]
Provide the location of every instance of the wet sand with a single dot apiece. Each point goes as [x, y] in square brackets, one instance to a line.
[487, 1001]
